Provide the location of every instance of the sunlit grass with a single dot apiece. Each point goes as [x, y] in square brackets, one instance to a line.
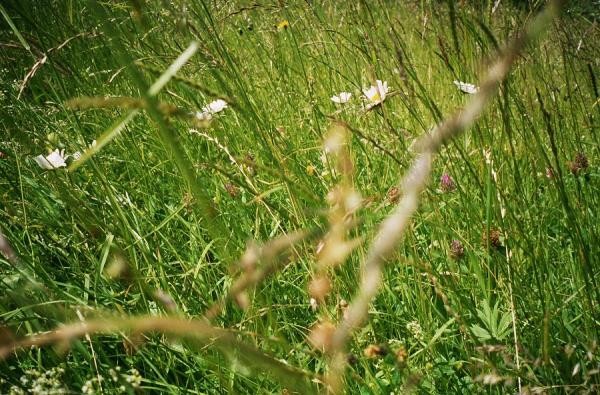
[170, 203]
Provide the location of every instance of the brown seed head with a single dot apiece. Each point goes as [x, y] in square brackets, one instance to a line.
[321, 336]
[375, 351]
[319, 287]
[393, 194]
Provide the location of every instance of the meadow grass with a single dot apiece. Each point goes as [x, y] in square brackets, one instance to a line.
[494, 287]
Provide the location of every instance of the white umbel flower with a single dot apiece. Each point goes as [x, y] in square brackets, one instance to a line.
[376, 94]
[465, 87]
[54, 160]
[342, 98]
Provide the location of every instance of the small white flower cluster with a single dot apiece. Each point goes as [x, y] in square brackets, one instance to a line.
[131, 379]
[415, 329]
[92, 386]
[211, 109]
[134, 378]
[38, 383]
[465, 87]
[374, 95]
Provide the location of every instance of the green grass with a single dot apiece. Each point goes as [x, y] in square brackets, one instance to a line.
[157, 195]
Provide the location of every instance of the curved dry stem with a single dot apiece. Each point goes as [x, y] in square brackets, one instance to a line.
[269, 255]
[225, 341]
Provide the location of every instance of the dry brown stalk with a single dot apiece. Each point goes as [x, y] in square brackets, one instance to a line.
[252, 275]
[343, 201]
[44, 58]
[392, 229]
[225, 341]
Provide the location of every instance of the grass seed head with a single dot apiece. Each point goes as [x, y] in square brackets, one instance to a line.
[321, 336]
[319, 287]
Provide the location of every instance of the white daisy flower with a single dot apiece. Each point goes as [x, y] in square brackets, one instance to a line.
[466, 87]
[204, 115]
[342, 98]
[215, 106]
[54, 160]
[376, 94]
[212, 108]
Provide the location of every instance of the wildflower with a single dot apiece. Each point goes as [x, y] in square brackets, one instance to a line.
[133, 378]
[376, 94]
[313, 304]
[212, 108]
[401, 355]
[343, 97]
[447, 183]
[54, 160]
[203, 116]
[493, 238]
[549, 173]
[466, 87]
[284, 24]
[215, 106]
[580, 164]
[374, 351]
[415, 328]
[457, 250]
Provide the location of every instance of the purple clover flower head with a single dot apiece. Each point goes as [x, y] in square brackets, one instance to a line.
[447, 183]
[580, 164]
[457, 250]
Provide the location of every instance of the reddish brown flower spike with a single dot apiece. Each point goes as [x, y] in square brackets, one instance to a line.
[375, 351]
[493, 238]
[580, 164]
[457, 250]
